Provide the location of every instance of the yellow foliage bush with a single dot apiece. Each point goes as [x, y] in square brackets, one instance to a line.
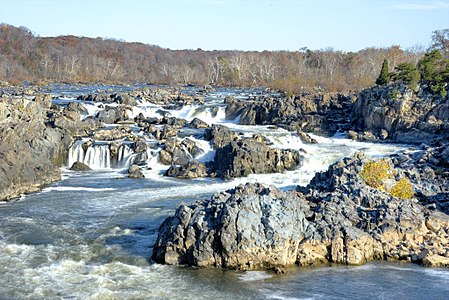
[375, 173]
[403, 189]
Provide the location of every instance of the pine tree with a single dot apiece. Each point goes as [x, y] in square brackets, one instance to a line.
[384, 76]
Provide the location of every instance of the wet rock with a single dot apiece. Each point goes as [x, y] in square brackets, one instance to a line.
[248, 227]
[191, 170]
[198, 123]
[79, 166]
[249, 156]
[135, 172]
[306, 139]
[336, 218]
[219, 135]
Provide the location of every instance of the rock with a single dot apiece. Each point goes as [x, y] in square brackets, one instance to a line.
[435, 261]
[135, 172]
[198, 123]
[336, 218]
[174, 122]
[79, 166]
[30, 151]
[219, 135]
[306, 139]
[189, 171]
[401, 114]
[177, 152]
[112, 115]
[318, 113]
[249, 156]
[248, 227]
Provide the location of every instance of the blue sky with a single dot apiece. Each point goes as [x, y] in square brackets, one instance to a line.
[347, 25]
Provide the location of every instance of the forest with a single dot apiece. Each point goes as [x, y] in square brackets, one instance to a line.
[25, 56]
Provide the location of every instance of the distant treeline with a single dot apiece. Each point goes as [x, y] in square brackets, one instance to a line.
[27, 57]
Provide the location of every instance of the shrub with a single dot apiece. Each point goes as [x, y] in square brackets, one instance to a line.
[403, 189]
[375, 173]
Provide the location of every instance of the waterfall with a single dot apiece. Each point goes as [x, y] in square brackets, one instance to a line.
[76, 153]
[98, 157]
[125, 157]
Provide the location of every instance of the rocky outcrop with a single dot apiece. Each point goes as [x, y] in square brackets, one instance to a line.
[336, 218]
[220, 135]
[401, 114]
[246, 156]
[31, 150]
[135, 172]
[319, 113]
[179, 152]
[191, 170]
[79, 166]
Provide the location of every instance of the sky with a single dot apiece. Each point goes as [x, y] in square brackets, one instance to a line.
[347, 25]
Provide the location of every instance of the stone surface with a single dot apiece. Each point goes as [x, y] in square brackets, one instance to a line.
[336, 218]
[246, 156]
[79, 166]
[191, 170]
[135, 172]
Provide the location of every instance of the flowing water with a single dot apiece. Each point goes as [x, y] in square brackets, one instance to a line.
[90, 235]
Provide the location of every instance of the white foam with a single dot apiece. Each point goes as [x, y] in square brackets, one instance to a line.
[76, 188]
[254, 276]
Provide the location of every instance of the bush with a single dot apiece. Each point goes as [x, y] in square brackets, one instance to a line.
[379, 175]
[403, 189]
[375, 173]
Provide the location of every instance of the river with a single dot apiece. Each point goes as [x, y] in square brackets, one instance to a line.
[90, 235]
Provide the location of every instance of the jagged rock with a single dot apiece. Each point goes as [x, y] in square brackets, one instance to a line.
[177, 152]
[248, 227]
[337, 218]
[30, 151]
[248, 156]
[174, 122]
[306, 139]
[319, 113]
[135, 172]
[79, 166]
[219, 135]
[112, 114]
[117, 133]
[189, 171]
[198, 123]
[401, 114]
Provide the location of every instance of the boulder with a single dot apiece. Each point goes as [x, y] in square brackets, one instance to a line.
[220, 135]
[248, 156]
[198, 123]
[191, 170]
[79, 166]
[135, 172]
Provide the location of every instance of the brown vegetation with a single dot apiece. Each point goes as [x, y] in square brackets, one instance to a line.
[25, 56]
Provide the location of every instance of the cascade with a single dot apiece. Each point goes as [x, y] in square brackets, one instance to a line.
[98, 157]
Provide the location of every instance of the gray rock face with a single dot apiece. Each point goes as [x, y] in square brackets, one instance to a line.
[402, 114]
[197, 123]
[249, 227]
[319, 113]
[30, 151]
[135, 172]
[79, 166]
[336, 218]
[248, 156]
[191, 170]
[177, 152]
[219, 135]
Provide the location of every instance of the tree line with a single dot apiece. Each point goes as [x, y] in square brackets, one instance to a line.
[25, 56]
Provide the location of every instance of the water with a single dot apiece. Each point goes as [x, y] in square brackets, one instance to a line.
[90, 236]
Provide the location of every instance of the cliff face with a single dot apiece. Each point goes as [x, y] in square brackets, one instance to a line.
[336, 218]
[30, 151]
[401, 114]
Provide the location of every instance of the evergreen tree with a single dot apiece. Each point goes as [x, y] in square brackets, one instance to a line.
[407, 73]
[384, 76]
